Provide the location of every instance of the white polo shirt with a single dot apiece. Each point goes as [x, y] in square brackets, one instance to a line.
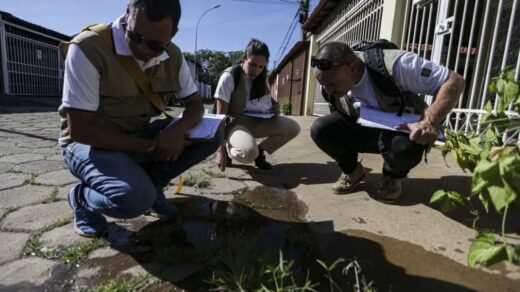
[411, 73]
[225, 88]
[81, 81]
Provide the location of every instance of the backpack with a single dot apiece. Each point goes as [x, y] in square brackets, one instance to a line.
[235, 72]
[374, 59]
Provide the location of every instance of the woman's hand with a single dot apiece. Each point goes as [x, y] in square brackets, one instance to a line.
[221, 158]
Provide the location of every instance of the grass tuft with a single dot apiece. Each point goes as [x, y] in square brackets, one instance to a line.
[53, 197]
[199, 180]
[123, 284]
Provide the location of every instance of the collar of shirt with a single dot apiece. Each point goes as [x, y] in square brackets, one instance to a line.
[122, 47]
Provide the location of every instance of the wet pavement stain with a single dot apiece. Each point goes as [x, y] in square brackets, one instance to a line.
[216, 238]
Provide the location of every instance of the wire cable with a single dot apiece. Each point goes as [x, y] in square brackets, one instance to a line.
[287, 38]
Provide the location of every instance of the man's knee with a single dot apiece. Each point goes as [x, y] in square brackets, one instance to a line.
[322, 131]
[317, 129]
[406, 153]
[132, 200]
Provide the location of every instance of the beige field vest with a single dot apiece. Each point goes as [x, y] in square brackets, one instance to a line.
[122, 105]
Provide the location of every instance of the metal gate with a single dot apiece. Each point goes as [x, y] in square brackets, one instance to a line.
[31, 62]
[358, 21]
[476, 39]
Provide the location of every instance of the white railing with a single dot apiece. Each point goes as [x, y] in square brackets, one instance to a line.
[476, 39]
[31, 67]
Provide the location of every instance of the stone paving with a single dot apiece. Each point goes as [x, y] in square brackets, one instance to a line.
[34, 183]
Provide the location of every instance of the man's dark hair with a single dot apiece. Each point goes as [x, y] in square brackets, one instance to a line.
[256, 48]
[335, 52]
[157, 10]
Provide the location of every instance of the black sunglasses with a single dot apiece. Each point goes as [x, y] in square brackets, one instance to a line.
[155, 46]
[323, 64]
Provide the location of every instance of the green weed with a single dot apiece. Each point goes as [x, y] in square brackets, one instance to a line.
[123, 284]
[214, 174]
[53, 197]
[199, 180]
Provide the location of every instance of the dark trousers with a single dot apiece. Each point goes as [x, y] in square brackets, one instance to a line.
[342, 139]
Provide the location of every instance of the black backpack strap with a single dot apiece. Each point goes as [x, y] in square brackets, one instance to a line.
[375, 61]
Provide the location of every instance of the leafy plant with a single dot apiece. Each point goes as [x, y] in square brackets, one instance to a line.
[495, 168]
[286, 108]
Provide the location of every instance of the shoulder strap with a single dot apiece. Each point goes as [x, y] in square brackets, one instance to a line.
[131, 66]
[374, 59]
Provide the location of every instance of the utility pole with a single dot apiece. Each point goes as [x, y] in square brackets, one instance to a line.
[304, 14]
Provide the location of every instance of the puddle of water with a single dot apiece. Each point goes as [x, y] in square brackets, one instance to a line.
[219, 236]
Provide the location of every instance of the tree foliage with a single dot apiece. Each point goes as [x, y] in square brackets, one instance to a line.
[213, 63]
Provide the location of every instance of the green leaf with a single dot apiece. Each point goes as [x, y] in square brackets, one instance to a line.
[509, 73]
[484, 199]
[492, 87]
[477, 184]
[489, 171]
[470, 148]
[510, 173]
[513, 254]
[510, 92]
[501, 196]
[484, 251]
[448, 200]
[501, 84]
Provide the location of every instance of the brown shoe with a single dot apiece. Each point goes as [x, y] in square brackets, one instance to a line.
[348, 181]
[389, 190]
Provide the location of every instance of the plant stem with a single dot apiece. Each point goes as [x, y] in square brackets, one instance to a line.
[504, 225]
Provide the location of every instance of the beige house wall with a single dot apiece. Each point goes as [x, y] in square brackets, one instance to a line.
[392, 22]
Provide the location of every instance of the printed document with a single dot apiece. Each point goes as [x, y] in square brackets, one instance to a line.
[206, 128]
[376, 118]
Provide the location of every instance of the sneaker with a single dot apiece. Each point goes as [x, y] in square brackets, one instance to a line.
[260, 160]
[161, 208]
[389, 190]
[348, 181]
[87, 223]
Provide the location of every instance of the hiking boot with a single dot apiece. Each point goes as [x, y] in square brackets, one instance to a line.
[260, 160]
[389, 190]
[348, 181]
[163, 209]
[86, 223]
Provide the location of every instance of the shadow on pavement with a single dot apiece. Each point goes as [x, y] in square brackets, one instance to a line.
[223, 236]
[290, 175]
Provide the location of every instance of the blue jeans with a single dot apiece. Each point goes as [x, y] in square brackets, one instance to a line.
[125, 185]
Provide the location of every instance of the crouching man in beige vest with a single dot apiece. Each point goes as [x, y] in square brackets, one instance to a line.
[122, 160]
